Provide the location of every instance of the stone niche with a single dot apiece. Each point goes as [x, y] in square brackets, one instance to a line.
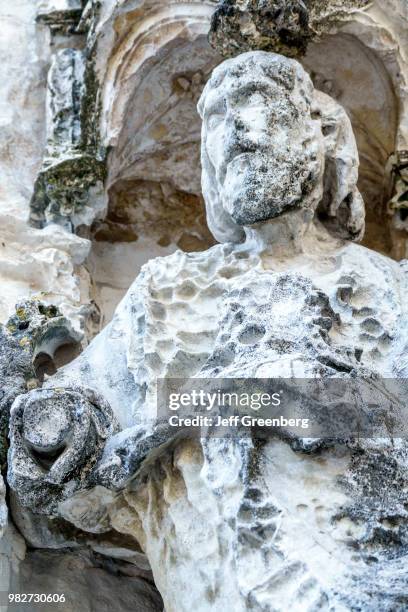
[360, 58]
[152, 63]
[343, 67]
[151, 127]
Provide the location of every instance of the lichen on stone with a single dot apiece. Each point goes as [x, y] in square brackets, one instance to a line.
[281, 26]
[16, 373]
[69, 187]
[61, 190]
[39, 327]
[274, 25]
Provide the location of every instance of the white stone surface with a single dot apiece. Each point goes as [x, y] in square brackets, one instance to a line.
[40, 263]
[24, 54]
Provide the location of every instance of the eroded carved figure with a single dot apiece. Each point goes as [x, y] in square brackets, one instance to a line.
[235, 524]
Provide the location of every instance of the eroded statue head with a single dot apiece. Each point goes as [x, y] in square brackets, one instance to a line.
[272, 144]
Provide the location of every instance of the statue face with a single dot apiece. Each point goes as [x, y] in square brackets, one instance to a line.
[264, 147]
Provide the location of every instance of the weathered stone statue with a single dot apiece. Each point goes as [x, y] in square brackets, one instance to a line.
[236, 524]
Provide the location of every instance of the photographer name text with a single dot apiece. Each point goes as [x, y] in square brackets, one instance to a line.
[236, 421]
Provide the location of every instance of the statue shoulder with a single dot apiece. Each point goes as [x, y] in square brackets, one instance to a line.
[173, 270]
